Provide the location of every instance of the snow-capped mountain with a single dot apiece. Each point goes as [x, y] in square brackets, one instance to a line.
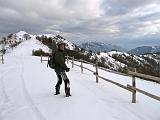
[22, 35]
[145, 50]
[56, 39]
[12, 40]
[98, 47]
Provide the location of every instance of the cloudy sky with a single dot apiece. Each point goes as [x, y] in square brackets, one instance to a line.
[128, 23]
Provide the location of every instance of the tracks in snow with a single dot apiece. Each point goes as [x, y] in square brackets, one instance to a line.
[17, 65]
[34, 108]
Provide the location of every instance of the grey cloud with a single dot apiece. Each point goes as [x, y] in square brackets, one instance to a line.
[117, 7]
[106, 20]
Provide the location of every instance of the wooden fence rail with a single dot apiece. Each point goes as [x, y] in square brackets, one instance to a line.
[132, 88]
[116, 83]
[153, 78]
[144, 92]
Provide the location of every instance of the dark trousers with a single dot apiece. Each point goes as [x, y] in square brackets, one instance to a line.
[62, 76]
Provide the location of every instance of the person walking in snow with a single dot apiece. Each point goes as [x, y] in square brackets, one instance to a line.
[61, 69]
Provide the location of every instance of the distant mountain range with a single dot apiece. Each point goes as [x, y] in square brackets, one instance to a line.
[107, 55]
[145, 50]
[95, 47]
[100, 47]
[104, 47]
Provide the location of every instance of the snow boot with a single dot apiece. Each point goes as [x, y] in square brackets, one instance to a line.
[57, 93]
[57, 90]
[68, 92]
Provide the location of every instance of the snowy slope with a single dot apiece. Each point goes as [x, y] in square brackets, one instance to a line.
[28, 46]
[23, 37]
[109, 60]
[27, 93]
[57, 38]
[20, 35]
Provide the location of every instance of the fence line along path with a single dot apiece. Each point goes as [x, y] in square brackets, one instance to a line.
[132, 88]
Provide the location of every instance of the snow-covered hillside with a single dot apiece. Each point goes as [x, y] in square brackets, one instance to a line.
[15, 39]
[57, 38]
[27, 92]
[121, 61]
[110, 59]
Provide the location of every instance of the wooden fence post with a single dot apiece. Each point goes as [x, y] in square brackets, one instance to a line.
[67, 59]
[134, 86]
[81, 65]
[96, 72]
[2, 59]
[41, 58]
[72, 61]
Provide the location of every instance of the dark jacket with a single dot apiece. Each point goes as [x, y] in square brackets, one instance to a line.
[60, 61]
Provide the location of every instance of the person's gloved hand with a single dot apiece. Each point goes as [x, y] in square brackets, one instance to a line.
[68, 69]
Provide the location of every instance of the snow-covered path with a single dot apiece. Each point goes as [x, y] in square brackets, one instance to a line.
[17, 99]
[27, 92]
